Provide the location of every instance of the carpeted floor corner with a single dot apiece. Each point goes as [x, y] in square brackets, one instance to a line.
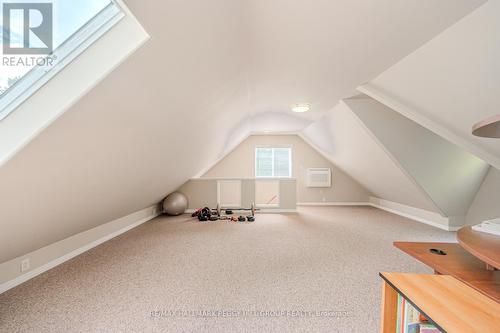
[315, 271]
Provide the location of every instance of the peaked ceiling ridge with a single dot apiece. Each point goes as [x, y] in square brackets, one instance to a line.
[450, 177]
[442, 130]
[393, 158]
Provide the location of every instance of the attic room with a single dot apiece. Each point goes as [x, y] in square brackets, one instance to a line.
[250, 166]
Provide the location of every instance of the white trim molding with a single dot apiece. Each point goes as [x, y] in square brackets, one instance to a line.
[416, 214]
[44, 258]
[319, 204]
[277, 210]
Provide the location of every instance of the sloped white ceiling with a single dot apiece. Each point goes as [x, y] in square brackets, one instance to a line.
[346, 142]
[452, 82]
[319, 51]
[449, 175]
[191, 92]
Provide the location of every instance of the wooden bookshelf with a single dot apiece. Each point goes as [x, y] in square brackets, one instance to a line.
[448, 303]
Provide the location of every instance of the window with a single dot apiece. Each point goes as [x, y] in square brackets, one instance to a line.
[273, 162]
[39, 38]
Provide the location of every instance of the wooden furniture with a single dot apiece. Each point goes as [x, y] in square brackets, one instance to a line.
[458, 263]
[484, 246]
[463, 296]
[448, 303]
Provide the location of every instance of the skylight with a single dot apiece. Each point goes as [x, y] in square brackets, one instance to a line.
[39, 38]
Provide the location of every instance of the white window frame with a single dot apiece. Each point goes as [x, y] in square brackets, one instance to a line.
[68, 51]
[273, 147]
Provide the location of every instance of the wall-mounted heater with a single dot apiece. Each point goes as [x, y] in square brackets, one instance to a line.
[319, 177]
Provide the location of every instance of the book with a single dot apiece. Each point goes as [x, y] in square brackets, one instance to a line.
[399, 321]
[414, 328]
[422, 328]
[428, 328]
[410, 320]
[411, 315]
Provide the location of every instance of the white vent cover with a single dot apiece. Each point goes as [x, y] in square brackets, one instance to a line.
[319, 177]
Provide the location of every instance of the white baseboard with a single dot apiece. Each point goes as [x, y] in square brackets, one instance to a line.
[131, 222]
[413, 217]
[277, 210]
[419, 215]
[416, 214]
[348, 203]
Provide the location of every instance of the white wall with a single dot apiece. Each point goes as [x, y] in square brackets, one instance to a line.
[486, 204]
[448, 174]
[240, 163]
[202, 192]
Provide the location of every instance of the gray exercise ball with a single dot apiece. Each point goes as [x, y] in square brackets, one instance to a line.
[175, 204]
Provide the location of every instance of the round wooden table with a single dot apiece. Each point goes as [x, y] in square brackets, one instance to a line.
[484, 246]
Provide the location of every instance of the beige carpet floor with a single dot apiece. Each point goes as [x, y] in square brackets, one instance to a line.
[315, 271]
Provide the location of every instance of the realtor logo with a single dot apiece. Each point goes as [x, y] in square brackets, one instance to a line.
[27, 28]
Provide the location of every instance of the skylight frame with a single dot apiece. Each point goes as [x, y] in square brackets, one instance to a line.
[68, 51]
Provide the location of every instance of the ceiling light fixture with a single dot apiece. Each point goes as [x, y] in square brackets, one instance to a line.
[300, 108]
